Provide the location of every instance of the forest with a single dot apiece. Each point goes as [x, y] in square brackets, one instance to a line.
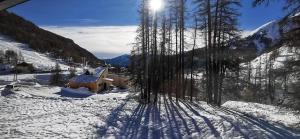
[193, 50]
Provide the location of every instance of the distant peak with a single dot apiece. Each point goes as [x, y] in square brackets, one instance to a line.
[263, 27]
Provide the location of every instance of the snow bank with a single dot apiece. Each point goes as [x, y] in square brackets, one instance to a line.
[271, 113]
[80, 92]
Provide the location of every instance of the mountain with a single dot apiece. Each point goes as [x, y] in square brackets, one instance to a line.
[275, 64]
[265, 39]
[41, 62]
[121, 61]
[42, 41]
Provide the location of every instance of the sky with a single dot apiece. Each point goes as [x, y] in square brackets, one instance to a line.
[101, 20]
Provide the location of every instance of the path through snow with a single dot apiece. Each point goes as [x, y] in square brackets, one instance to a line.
[26, 114]
[171, 119]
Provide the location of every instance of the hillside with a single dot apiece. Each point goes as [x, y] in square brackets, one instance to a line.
[273, 76]
[43, 41]
[121, 61]
[260, 67]
[265, 38]
[40, 61]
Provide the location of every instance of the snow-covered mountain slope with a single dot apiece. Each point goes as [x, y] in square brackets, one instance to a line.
[38, 39]
[122, 61]
[278, 56]
[268, 35]
[40, 112]
[274, 73]
[269, 30]
[39, 61]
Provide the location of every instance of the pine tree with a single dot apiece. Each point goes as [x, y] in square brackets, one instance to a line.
[2, 56]
[218, 22]
[72, 71]
[56, 77]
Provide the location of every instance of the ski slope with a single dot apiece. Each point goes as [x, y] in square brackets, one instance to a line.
[39, 61]
[42, 112]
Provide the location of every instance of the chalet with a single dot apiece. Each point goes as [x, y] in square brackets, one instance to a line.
[95, 80]
[24, 68]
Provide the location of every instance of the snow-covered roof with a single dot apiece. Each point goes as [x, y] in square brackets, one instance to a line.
[99, 71]
[96, 74]
[84, 79]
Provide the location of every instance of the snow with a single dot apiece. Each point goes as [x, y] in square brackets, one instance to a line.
[85, 79]
[80, 92]
[246, 33]
[39, 61]
[259, 46]
[284, 54]
[95, 75]
[41, 78]
[271, 29]
[42, 112]
[26, 114]
[271, 113]
[108, 79]
[99, 71]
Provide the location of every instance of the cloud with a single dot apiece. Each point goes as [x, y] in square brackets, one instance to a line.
[103, 41]
[111, 41]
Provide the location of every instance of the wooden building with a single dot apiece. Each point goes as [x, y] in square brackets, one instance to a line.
[24, 68]
[95, 80]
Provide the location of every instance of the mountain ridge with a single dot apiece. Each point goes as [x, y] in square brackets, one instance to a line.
[121, 61]
[43, 41]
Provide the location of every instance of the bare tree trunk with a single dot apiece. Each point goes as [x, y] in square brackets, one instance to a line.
[192, 63]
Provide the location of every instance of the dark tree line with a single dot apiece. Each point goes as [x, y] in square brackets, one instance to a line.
[159, 52]
[160, 57]
[219, 25]
[11, 58]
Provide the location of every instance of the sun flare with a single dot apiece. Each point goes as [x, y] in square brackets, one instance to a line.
[156, 5]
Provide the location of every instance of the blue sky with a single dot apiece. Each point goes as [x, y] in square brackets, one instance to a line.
[120, 12]
[105, 41]
[79, 12]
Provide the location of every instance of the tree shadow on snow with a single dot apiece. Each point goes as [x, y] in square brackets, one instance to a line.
[73, 95]
[176, 120]
[270, 130]
[111, 121]
[146, 121]
[249, 126]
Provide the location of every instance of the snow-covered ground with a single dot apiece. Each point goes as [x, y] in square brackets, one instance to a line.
[40, 78]
[39, 61]
[275, 114]
[42, 111]
[26, 114]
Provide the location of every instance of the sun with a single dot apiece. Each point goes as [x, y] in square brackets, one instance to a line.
[156, 5]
